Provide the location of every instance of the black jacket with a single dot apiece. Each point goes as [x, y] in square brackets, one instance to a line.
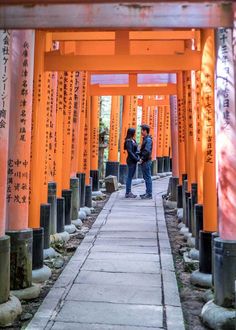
[132, 149]
[146, 149]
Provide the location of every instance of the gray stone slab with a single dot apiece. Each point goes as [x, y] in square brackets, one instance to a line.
[135, 279]
[90, 326]
[122, 266]
[123, 256]
[123, 248]
[127, 241]
[105, 313]
[125, 294]
[127, 234]
[129, 227]
[174, 318]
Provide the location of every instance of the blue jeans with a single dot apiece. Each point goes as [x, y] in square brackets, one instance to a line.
[147, 175]
[131, 172]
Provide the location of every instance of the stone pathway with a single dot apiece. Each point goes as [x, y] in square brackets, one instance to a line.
[121, 276]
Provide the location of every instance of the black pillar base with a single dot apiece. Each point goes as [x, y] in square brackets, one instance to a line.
[112, 168]
[37, 261]
[21, 259]
[170, 164]
[187, 211]
[154, 167]
[179, 196]
[184, 190]
[160, 164]
[81, 177]
[213, 236]
[4, 269]
[140, 173]
[60, 215]
[52, 199]
[88, 195]
[198, 220]
[95, 179]
[173, 188]
[45, 210]
[166, 164]
[224, 272]
[66, 194]
[205, 253]
[193, 202]
[123, 173]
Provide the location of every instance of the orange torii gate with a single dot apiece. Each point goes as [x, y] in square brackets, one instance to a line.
[127, 59]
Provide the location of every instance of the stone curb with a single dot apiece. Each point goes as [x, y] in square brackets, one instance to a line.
[172, 304]
[53, 301]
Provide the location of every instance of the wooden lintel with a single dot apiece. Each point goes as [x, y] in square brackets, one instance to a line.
[116, 15]
[190, 60]
[133, 35]
[167, 89]
[153, 103]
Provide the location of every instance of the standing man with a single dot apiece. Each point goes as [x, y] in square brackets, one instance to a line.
[146, 160]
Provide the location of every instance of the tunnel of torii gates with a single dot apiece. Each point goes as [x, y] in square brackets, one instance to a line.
[50, 90]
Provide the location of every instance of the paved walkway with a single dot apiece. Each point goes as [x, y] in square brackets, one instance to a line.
[122, 275]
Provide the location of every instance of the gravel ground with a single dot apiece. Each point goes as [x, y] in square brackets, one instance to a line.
[191, 297]
[66, 250]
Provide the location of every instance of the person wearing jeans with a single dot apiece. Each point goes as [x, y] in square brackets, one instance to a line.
[146, 160]
[132, 148]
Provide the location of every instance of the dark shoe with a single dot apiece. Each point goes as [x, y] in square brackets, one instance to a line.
[130, 195]
[146, 196]
[142, 195]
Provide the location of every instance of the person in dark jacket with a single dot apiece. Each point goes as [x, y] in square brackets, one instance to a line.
[146, 160]
[132, 149]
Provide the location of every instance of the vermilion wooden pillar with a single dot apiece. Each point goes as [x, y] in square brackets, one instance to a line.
[38, 175]
[69, 80]
[59, 132]
[112, 166]
[19, 159]
[145, 110]
[5, 80]
[190, 131]
[199, 149]
[209, 169]
[94, 131]
[75, 128]
[126, 123]
[160, 139]
[166, 137]
[208, 137]
[83, 82]
[20, 127]
[87, 140]
[181, 127]
[5, 74]
[174, 136]
[124, 128]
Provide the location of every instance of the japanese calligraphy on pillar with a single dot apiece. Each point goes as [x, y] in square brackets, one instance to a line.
[83, 80]
[5, 60]
[95, 115]
[59, 130]
[160, 131]
[52, 133]
[47, 174]
[226, 133]
[20, 127]
[114, 127]
[134, 104]
[75, 126]
[166, 144]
